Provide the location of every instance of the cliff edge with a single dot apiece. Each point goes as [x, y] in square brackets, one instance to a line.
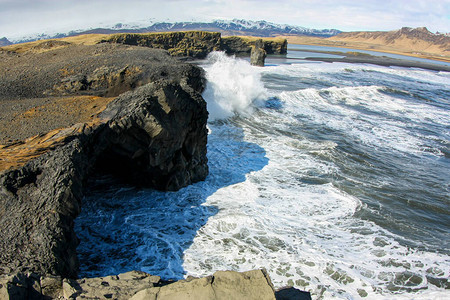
[73, 110]
[153, 135]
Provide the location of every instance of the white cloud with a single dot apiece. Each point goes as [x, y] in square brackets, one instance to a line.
[21, 17]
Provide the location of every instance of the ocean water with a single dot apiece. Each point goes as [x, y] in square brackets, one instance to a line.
[295, 49]
[333, 177]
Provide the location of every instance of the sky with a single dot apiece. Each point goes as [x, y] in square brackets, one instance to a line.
[20, 18]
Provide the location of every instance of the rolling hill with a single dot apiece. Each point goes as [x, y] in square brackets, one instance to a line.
[408, 41]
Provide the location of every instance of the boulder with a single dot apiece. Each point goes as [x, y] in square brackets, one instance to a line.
[254, 284]
[156, 137]
[136, 285]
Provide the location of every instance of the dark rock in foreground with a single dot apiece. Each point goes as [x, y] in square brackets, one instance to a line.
[154, 136]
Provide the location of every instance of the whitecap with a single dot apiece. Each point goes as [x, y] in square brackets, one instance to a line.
[233, 85]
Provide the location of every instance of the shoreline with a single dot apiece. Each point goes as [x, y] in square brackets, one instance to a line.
[362, 58]
[315, 41]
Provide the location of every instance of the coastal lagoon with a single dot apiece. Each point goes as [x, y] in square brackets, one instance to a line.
[332, 176]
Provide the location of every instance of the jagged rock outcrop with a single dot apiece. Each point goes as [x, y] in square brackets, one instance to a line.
[136, 285]
[197, 44]
[242, 46]
[154, 135]
[258, 54]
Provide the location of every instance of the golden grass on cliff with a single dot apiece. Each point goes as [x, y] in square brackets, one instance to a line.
[84, 110]
[52, 44]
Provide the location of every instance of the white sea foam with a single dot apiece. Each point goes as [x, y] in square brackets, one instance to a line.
[233, 85]
[270, 199]
[369, 115]
[305, 234]
[299, 226]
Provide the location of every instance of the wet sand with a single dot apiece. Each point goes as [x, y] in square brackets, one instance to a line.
[362, 58]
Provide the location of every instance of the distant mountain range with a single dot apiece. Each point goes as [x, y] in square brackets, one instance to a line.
[4, 42]
[405, 39]
[239, 27]
[233, 27]
[389, 37]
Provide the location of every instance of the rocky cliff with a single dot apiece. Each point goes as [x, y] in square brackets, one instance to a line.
[197, 44]
[154, 135]
[70, 111]
[243, 45]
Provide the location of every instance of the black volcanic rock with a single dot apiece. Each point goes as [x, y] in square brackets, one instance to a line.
[258, 54]
[39, 203]
[154, 135]
[195, 44]
[235, 45]
[242, 46]
[101, 70]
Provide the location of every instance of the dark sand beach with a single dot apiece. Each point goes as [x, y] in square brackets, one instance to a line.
[363, 58]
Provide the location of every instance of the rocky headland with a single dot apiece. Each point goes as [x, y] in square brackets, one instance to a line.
[197, 44]
[71, 110]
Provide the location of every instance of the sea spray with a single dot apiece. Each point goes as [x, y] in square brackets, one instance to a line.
[337, 186]
[233, 85]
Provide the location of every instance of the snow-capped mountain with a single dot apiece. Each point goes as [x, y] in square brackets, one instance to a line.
[230, 27]
[256, 28]
[267, 28]
[4, 42]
